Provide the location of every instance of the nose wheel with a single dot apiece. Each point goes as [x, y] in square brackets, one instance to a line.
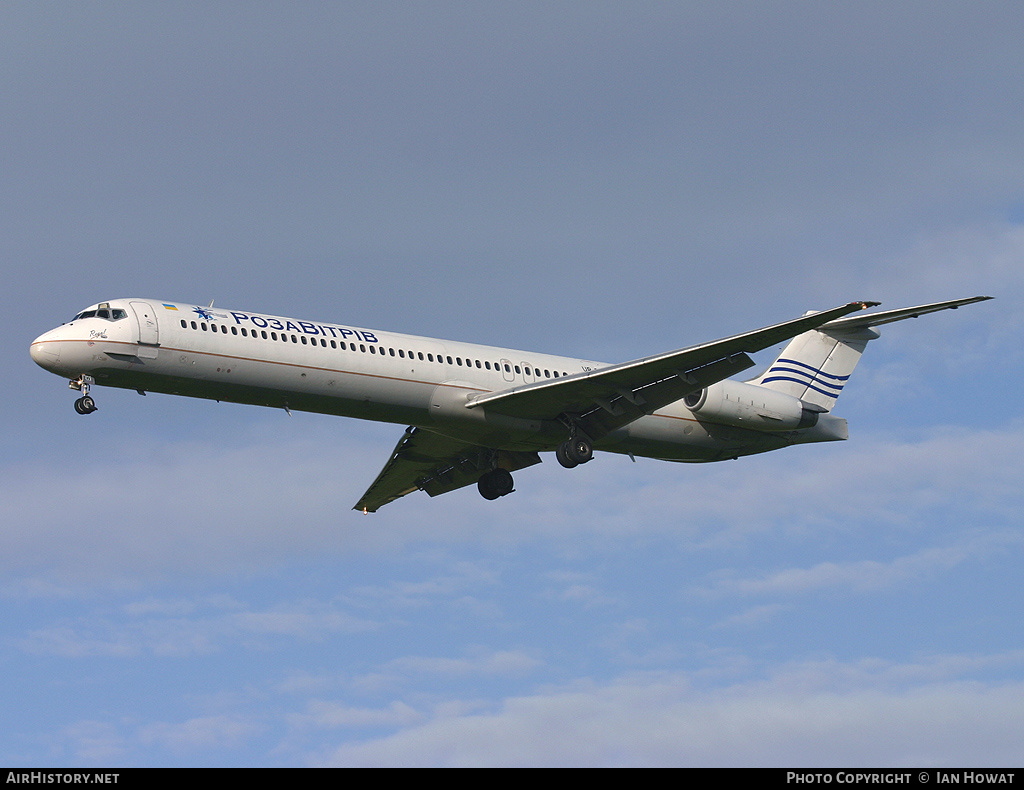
[85, 404]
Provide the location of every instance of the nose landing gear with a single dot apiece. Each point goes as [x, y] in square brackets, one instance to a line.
[85, 404]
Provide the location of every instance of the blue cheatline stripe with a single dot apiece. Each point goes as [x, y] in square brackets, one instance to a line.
[806, 384]
[807, 378]
[816, 371]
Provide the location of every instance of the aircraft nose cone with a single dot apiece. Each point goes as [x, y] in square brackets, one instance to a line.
[45, 351]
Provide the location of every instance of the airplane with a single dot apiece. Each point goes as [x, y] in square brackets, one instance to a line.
[476, 414]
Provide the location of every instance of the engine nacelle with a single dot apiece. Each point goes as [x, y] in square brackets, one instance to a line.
[750, 406]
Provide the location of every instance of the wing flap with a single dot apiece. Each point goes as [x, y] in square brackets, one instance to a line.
[631, 405]
[427, 461]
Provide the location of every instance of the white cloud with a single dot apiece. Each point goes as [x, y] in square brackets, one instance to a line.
[502, 662]
[145, 631]
[330, 715]
[807, 715]
[243, 515]
[92, 742]
[863, 576]
[204, 733]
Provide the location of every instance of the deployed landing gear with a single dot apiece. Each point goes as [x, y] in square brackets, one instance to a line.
[578, 450]
[496, 483]
[85, 404]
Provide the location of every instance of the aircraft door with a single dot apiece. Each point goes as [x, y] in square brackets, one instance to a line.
[149, 332]
[506, 370]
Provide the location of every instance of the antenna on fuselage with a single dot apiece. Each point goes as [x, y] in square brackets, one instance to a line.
[209, 305]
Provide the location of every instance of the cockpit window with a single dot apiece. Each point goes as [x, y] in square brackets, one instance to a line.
[115, 314]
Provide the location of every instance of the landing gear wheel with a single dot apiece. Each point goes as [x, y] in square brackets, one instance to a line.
[562, 454]
[574, 452]
[581, 450]
[496, 483]
[85, 405]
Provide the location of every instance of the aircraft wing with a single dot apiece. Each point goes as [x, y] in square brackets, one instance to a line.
[608, 398]
[426, 461]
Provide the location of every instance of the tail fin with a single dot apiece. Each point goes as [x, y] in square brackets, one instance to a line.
[816, 365]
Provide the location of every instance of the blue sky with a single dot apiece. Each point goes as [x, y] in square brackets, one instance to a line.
[184, 583]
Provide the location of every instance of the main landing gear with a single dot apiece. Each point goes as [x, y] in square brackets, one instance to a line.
[496, 483]
[85, 404]
[578, 450]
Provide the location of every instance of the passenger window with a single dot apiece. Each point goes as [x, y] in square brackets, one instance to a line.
[183, 324]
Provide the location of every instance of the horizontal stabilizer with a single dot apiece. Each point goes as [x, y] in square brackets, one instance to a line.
[888, 316]
[816, 365]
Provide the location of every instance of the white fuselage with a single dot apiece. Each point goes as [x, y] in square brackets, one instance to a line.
[329, 368]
